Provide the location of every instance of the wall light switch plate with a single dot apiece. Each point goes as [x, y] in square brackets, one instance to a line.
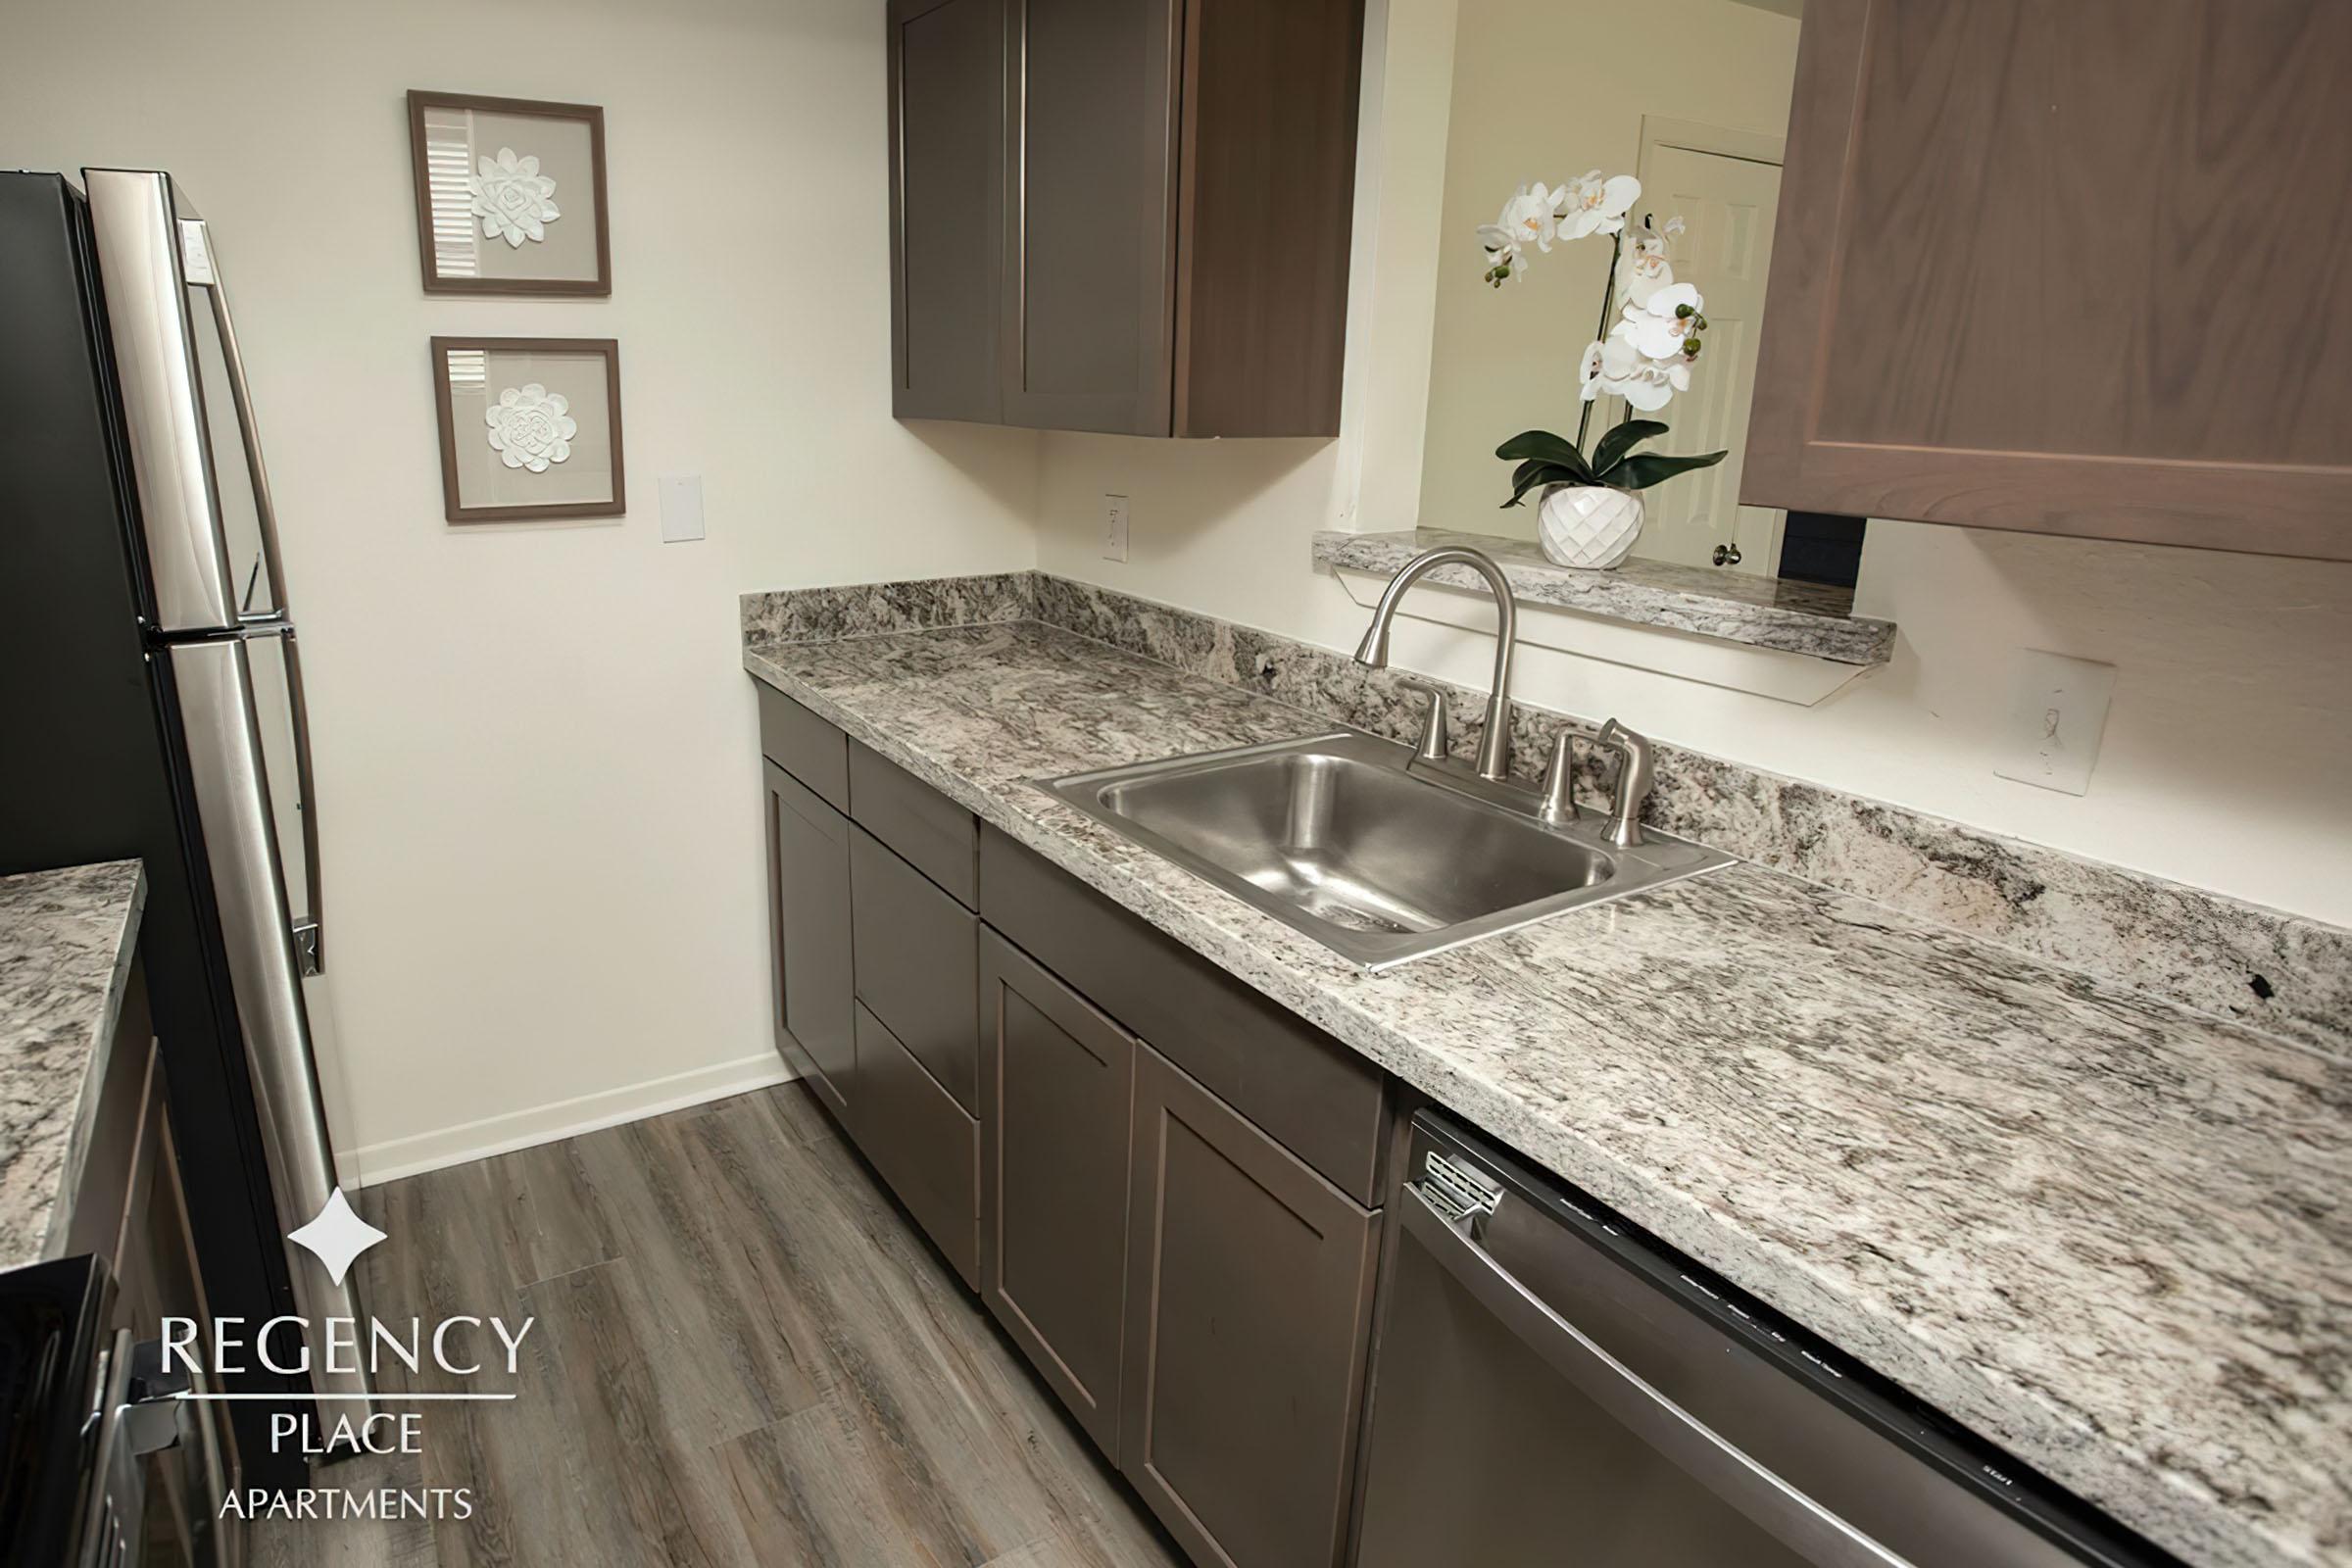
[1115, 527]
[681, 507]
[2055, 720]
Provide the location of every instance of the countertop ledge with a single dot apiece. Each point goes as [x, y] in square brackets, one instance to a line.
[66, 938]
[1783, 614]
[2108, 1233]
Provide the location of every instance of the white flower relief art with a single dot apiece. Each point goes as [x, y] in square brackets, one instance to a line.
[513, 199]
[531, 427]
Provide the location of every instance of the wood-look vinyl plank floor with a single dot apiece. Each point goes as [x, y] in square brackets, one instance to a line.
[742, 1354]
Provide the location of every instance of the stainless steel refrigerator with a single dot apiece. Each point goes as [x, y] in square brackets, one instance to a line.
[152, 700]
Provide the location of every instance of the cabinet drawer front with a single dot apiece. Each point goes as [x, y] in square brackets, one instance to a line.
[926, 1146]
[1055, 1083]
[918, 963]
[1322, 1100]
[804, 746]
[1250, 1287]
[808, 903]
[930, 832]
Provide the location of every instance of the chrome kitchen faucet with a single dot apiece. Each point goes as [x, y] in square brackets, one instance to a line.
[1494, 743]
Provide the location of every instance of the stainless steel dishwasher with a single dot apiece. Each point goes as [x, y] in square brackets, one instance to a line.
[1554, 1389]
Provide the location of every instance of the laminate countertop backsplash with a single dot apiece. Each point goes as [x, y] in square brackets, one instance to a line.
[2099, 1225]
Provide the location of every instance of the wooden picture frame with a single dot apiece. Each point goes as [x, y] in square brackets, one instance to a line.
[455, 254]
[457, 423]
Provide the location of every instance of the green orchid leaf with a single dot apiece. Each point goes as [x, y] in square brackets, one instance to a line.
[1640, 474]
[1550, 448]
[1618, 442]
[1537, 471]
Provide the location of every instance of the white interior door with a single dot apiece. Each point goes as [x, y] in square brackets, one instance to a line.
[1727, 206]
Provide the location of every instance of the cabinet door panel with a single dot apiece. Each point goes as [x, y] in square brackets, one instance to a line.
[1089, 197]
[1921, 359]
[1249, 1288]
[947, 228]
[808, 907]
[1055, 1083]
[1318, 1097]
[918, 964]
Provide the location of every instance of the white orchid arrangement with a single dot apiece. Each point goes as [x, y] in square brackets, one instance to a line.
[1644, 355]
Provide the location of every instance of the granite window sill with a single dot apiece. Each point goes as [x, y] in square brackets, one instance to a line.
[1789, 617]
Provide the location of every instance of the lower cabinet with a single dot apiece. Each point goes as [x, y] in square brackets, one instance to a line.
[808, 929]
[1183, 1252]
[126, 1205]
[1249, 1307]
[1056, 1083]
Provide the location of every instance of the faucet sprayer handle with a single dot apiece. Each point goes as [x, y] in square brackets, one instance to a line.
[1634, 777]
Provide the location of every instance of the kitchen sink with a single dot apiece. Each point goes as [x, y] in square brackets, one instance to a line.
[1377, 856]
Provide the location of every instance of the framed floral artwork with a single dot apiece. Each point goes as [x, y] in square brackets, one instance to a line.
[530, 428]
[509, 195]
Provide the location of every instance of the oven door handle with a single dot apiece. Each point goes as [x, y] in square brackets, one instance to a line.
[1798, 1522]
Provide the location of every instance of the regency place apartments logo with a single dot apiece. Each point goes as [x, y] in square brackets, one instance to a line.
[346, 1415]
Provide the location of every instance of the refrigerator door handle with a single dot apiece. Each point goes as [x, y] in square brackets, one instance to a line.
[309, 944]
[196, 251]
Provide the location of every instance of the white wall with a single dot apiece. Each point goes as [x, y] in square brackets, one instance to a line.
[536, 748]
[2226, 753]
[1523, 109]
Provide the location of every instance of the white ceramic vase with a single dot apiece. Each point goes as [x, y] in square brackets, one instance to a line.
[1589, 524]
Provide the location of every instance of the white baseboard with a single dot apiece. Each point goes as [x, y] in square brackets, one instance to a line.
[374, 1164]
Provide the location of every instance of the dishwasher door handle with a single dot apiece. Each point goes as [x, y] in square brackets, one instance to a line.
[1771, 1504]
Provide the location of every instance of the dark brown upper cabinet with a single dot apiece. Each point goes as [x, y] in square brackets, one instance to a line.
[2061, 268]
[947, 207]
[1168, 187]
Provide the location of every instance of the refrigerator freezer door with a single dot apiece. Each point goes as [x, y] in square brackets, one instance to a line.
[229, 774]
[204, 500]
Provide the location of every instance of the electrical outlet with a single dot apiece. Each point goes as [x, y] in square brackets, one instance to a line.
[2056, 716]
[681, 507]
[1115, 527]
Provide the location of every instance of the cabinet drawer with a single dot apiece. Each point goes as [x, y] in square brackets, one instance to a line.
[1320, 1099]
[926, 1146]
[930, 832]
[804, 746]
[917, 962]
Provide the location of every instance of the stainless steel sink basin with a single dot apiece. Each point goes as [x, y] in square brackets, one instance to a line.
[1384, 859]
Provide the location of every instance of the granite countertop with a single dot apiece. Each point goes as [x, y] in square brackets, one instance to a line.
[66, 944]
[2110, 1233]
[1781, 614]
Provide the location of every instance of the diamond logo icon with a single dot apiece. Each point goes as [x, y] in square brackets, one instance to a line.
[337, 1237]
